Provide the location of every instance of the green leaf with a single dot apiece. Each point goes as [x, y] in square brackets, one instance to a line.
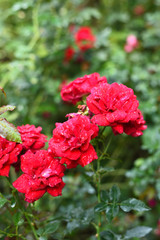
[6, 108]
[114, 193]
[137, 232]
[133, 204]
[115, 210]
[51, 227]
[72, 225]
[104, 196]
[9, 131]
[3, 200]
[100, 207]
[158, 188]
[109, 213]
[107, 235]
[105, 170]
[17, 218]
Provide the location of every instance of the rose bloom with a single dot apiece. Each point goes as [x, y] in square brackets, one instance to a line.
[41, 173]
[128, 48]
[74, 91]
[115, 105]
[9, 152]
[139, 10]
[32, 138]
[69, 53]
[132, 41]
[71, 141]
[84, 38]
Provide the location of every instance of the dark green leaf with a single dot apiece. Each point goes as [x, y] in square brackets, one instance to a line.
[137, 232]
[105, 170]
[109, 213]
[114, 193]
[158, 188]
[115, 210]
[104, 196]
[72, 225]
[51, 227]
[100, 207]
[17, 218]
[3, 200]
[107, 235]
[133, 204]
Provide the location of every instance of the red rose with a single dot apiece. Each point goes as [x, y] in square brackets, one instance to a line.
[135, 128]
[71, 141]
[139, 10]
[131, 43]
[74, 91]
[9, 152]
[116, 105]
[41, 173]
[69, 53]
[32, 138]
[84, 38]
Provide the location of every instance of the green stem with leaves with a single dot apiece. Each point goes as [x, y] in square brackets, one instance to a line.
[23, 210]
[99, 197]
[98, 184]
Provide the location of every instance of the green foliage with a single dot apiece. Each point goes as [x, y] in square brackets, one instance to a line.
[137, 232]
[3, 200]
[133, 204]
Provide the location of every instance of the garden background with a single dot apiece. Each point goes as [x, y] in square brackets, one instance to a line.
[34, 36]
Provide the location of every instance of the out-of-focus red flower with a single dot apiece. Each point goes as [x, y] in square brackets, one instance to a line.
[139, 10]
[152, 202]
[41, 173]
[128, 48]
[71, 141]
[74, 91]
[46, 114]
[32, 138]
[131, 43]
[69, 53]
[9, 152]
[84, 38]
[115, 105]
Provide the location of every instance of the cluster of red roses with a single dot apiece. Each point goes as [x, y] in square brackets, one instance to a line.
[113, 105]
[42, 172]
[84, 40]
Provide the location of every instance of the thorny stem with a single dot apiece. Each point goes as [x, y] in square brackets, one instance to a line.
[99, 198]
[98, 179]
[32, 226]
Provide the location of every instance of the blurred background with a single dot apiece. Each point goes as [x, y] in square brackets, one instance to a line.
[39, 54]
